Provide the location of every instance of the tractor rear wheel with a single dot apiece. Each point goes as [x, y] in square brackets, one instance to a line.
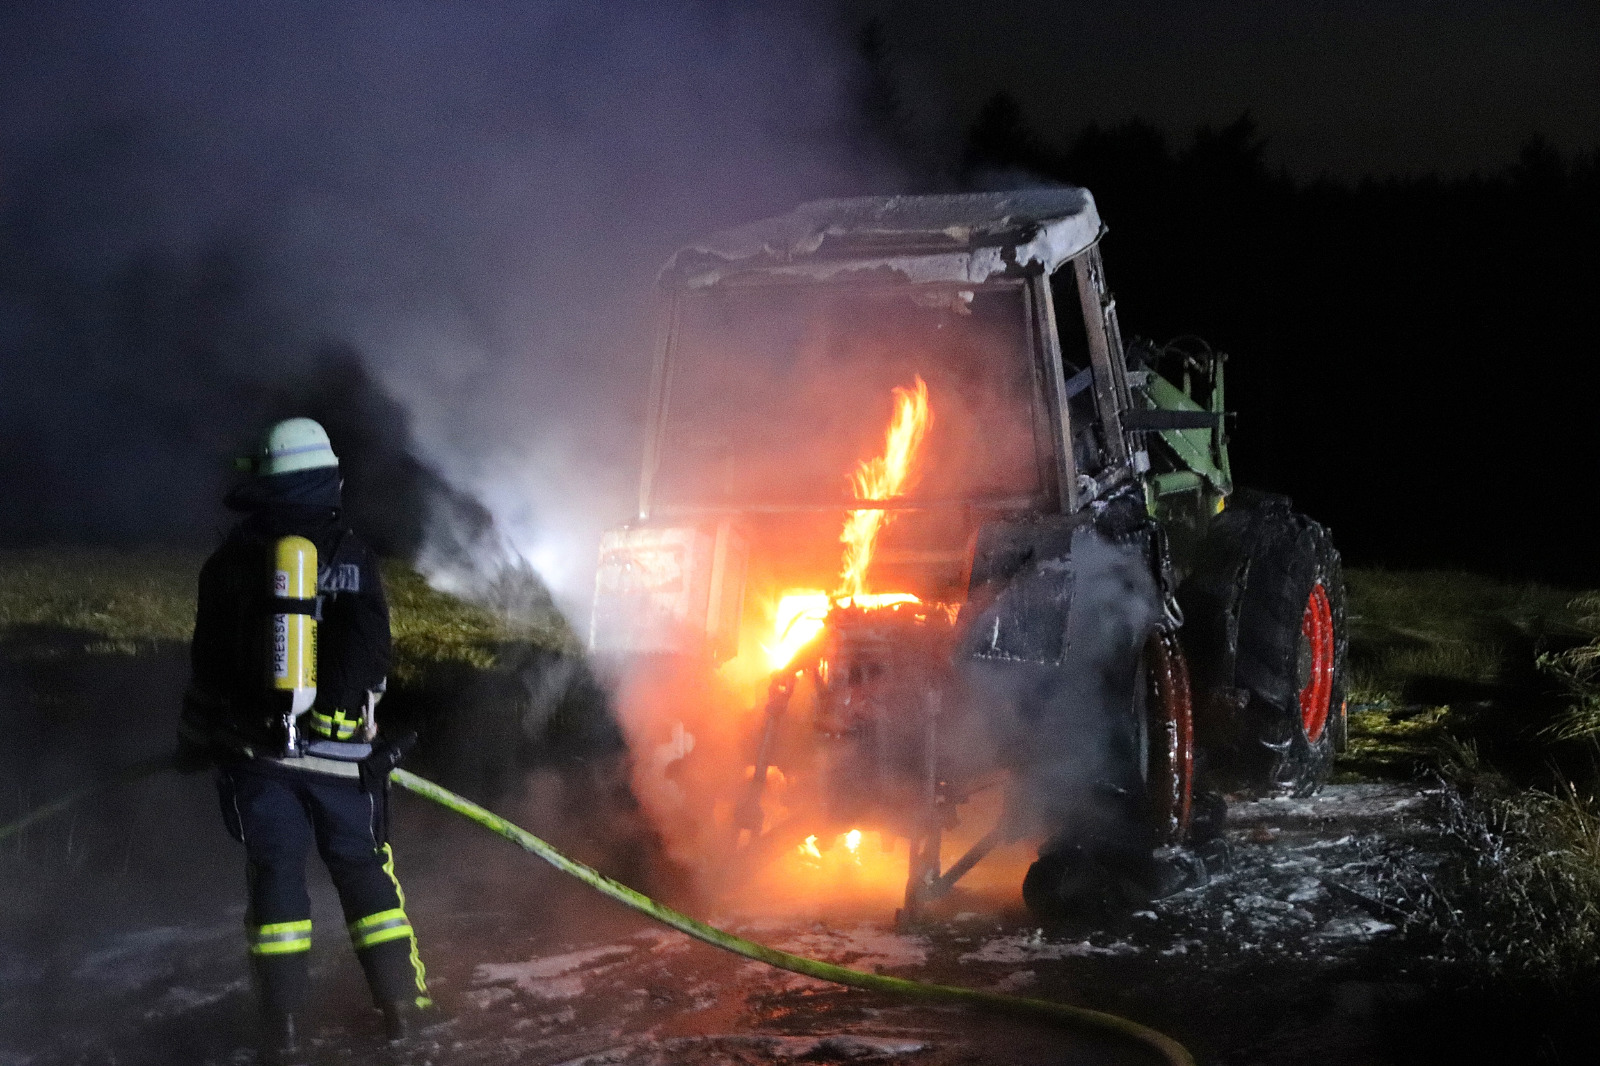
[1268, 606]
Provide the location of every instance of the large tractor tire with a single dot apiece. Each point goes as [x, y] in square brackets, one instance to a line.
[1267, 635]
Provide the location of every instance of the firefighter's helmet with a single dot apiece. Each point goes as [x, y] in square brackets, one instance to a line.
[294, 444]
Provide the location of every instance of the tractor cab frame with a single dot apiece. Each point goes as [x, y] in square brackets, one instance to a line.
[1072, 519]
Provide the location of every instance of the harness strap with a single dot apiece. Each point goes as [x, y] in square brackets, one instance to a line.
[291, 605]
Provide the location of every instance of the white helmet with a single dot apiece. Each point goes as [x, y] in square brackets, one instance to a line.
[294, 444]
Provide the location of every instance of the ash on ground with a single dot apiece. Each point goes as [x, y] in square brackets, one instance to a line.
[1311, 878]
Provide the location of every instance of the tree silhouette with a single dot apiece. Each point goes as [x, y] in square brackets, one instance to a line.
[1407, 352]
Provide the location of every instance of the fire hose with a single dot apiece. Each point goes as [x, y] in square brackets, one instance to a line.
[1169, 1049]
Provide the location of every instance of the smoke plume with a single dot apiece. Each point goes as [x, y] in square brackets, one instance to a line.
[434, 225]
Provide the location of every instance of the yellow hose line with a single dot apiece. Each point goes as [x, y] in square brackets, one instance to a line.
[1169, 1049]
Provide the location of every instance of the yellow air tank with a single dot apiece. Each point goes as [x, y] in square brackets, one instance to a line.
[294, 633]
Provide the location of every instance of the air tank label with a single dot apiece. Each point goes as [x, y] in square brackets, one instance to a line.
[280, 629]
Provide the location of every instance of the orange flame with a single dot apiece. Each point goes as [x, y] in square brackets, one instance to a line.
[802, 613]
[811, 854]
[883, 478]
[801, 616]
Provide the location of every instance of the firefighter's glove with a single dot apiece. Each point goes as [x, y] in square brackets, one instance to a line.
[386, 755]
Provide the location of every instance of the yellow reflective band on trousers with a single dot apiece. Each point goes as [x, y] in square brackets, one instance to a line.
[379, 928]
[422, 1001]
[280, 938]
[335, 726]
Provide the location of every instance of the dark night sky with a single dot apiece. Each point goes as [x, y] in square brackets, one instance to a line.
[1347, 87]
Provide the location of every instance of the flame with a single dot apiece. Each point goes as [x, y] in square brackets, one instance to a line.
[802, 613]
[801, 616]
[811, 855]
[861, 870]
[823, 878]
[882, 478]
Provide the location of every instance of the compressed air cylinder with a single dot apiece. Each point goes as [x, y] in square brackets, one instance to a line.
[294, 633]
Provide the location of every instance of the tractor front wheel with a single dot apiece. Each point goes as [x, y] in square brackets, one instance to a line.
[1170, 776]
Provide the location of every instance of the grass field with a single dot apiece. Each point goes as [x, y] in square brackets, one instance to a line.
[1491, 688]
[119, 602]
[1440, 659]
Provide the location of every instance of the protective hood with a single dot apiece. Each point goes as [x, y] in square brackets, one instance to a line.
[303, 493]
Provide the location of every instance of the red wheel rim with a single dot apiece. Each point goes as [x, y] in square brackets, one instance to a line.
[1316, 627]
[1172, 739]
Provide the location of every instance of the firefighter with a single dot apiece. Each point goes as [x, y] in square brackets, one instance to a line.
[290, 722]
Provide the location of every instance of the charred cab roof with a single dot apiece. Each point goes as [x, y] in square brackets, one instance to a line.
[963, 238]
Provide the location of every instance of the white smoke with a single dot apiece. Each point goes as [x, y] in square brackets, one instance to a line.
[476, 196]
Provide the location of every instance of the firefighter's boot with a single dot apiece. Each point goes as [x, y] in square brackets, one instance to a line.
[399, 1020]
[280, 1039]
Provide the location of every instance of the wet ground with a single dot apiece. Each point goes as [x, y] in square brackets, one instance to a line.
[120, 939]
[1295, 947]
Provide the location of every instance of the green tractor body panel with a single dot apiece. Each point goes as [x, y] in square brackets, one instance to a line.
[1203, 452]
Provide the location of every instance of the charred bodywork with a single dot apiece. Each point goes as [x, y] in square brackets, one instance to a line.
[1064, 515]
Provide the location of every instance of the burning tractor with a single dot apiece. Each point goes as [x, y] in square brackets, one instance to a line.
[916, 524]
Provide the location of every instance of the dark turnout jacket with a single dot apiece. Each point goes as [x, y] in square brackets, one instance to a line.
[228, 654]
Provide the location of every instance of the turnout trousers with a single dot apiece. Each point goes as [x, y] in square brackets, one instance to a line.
[279, 814]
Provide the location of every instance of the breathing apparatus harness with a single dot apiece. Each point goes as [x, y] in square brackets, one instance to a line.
[295, 603]
[296, 609]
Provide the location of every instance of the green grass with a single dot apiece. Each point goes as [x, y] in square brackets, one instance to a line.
[113, 602]
[109, 602]
[1495, 688]
[432, 627]
[1441, 655]
[1577, 672]
[1445, 624]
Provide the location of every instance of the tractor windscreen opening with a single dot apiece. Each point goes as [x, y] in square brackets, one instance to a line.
[776, 392]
